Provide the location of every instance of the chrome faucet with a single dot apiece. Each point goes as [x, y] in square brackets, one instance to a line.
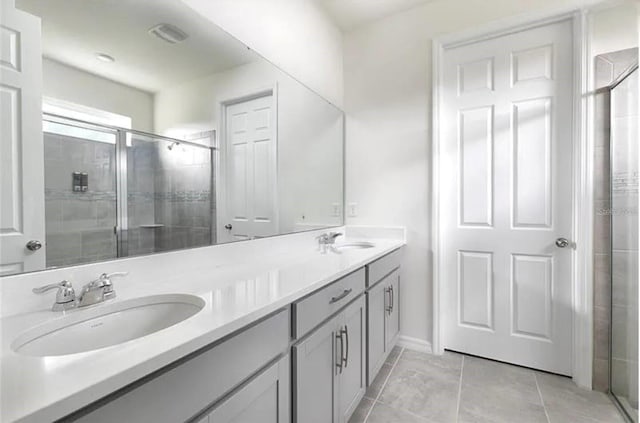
[94, 292]
[99, 290]
[327, 240]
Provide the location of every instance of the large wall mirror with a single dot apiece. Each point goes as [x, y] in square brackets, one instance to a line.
[159, 132]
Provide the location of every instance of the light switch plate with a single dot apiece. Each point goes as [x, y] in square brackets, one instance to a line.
[335, 209]
[353, 209]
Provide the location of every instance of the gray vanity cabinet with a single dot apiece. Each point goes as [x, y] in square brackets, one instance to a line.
[353, 378]
[231, 381]
[265, 399]
[377, 298]
[314, 373]
[383, 311]
[392, 316]
[329, 372]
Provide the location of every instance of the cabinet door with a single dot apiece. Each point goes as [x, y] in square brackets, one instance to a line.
[352, 378]
[376, 345]
[314, 374]
[393, 317]
[265, 399]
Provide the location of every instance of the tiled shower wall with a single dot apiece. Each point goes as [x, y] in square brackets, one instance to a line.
[607, 68]
[142, 164]
[79, 225]
[170, 199]
[184, 199]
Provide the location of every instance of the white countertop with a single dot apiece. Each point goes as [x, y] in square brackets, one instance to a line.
[43, 389]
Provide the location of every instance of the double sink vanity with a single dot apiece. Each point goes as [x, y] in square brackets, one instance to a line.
[286, 329]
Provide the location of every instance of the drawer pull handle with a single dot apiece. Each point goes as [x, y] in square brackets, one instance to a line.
[389, 308]
[341, 296]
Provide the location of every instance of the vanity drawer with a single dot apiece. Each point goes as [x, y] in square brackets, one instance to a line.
[380, 268]
[190, 386]
[320, 305]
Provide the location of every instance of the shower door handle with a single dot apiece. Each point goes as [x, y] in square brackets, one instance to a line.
[228, 226]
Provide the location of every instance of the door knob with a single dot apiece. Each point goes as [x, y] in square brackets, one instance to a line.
[562, 242]
[228, 226]
[34, 245]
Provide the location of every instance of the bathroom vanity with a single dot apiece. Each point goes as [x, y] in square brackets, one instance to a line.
[294, 337]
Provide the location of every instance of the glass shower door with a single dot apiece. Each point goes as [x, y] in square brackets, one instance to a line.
[80, 192]
[624, 244]
[169, 195]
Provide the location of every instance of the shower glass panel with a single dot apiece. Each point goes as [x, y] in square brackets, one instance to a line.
[80, 192]
[169, 195]
[624, 244]
[112, 192]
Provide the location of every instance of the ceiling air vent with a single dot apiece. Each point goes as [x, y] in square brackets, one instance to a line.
[169, 33]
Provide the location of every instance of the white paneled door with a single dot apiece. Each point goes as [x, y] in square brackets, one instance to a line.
[22, 242]
[250, 176]
[506, 146]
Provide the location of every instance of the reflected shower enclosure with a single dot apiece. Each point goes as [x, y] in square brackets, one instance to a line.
[616, 228]
[624, 241]
[112, 192]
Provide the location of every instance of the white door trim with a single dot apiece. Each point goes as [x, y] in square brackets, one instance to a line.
[582, 187]
[220, 160]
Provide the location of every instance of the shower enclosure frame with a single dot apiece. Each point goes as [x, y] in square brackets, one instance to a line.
[620, 79]
[121, 227]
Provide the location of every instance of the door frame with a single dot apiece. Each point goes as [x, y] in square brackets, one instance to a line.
[582, 184]
[221, 157]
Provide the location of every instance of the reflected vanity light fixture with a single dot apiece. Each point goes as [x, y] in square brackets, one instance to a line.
[103, 57]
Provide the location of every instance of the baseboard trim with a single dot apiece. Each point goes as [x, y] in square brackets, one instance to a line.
[414, 344]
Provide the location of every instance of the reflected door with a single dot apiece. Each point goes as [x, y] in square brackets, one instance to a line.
[249, 160]
[506, 192]
[22, 243]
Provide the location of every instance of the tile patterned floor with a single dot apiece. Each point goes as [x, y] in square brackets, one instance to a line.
[413, 387]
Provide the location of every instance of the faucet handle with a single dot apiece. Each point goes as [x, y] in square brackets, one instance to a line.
[65, 297]
[104, 281]
[107, 276]
[45, 288]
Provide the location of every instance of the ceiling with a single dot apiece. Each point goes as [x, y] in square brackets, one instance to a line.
[74, 31]
[349, 14]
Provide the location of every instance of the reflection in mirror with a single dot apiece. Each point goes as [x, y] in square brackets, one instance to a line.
[159, 132]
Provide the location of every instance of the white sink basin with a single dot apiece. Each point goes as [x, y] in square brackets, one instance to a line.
[106, 324]
[353, 245]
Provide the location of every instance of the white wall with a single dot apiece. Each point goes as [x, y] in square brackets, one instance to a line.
[74, 85]
[388, 105]
[614, 28]
[295, 35]
[310, 133]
